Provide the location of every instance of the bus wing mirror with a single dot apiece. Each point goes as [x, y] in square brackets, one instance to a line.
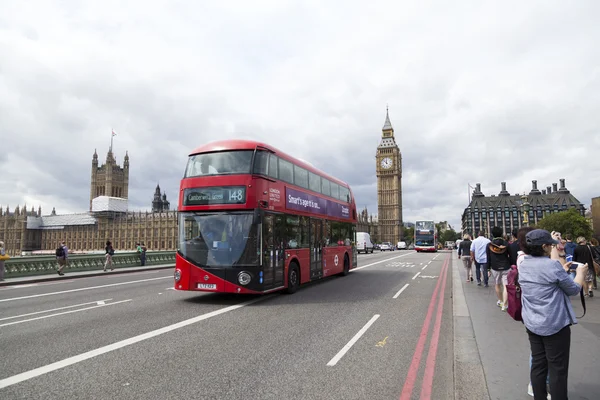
[257, 216]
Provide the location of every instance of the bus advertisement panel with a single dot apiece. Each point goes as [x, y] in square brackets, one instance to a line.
[255, 220]
[425, 236]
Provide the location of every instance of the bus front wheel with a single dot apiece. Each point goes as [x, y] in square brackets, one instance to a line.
[293, 278]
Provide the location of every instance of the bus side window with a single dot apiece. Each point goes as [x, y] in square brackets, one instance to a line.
[261, 163]
[273, 170]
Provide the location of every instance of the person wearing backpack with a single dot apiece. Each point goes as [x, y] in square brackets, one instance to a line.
[547, 313]
[109, 252]
[62, 257]
[499, 261]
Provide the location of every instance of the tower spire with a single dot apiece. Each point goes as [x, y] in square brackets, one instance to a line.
[387, 125]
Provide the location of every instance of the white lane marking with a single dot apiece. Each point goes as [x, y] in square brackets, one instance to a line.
[170, 288]
[24, 376]
[348, 345]
[418, 273]
[424, 267]
[63, 313]
[379, 262]
[24, 286]
[400, 291]
[85, 288]
[54, 309]
[100, 303]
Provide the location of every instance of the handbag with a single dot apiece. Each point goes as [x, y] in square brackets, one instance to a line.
[596, 265]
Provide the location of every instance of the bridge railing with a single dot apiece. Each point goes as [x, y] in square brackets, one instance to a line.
[41, 265]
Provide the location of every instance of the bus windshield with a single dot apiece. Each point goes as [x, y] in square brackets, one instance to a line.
[424, 240]
[220, 163]
[219, 239]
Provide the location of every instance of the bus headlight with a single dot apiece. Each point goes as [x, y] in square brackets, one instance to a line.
[244, 278]
[177, 275]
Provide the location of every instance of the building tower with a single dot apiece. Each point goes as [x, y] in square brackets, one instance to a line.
[109, 179]
[160, 202]
[389, 185]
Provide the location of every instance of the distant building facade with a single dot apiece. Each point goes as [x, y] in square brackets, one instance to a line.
[160, 202]
[28, 231]
[368, 223]
[596, 217]
[515, 211]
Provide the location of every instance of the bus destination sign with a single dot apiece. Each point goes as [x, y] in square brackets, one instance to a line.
[214, 195]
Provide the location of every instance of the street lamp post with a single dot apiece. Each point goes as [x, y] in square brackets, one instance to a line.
[526, 206]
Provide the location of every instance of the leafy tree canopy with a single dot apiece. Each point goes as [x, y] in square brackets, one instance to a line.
[568, 221]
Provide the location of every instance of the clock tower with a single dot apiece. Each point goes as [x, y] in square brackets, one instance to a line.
[389, 185]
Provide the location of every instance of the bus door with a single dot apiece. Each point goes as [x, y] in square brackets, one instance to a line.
[273, 261]
[316, 248]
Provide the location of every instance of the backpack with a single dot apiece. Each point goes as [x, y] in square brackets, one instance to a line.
[60, 251]
[111, 251]
[513, 289]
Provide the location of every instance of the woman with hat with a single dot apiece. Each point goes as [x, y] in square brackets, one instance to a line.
[547, 313]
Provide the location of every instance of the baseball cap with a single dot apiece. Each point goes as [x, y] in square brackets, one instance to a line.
[539, 237]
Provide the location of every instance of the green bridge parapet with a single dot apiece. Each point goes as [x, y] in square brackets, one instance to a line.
[42, 265]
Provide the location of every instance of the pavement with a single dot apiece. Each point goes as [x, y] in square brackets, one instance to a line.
[385, 331]
[68, 275]
[503, 347]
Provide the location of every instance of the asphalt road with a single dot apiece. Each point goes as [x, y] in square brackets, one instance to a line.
[382, 332]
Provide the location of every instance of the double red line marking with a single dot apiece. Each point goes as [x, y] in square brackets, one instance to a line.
[413, 370]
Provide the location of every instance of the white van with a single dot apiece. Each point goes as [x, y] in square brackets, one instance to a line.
[401, 246]
[363, 242]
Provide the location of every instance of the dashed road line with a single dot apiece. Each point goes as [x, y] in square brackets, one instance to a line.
[400, 291]
[418, 273]
[348, 345]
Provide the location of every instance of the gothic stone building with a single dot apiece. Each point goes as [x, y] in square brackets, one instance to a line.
[29, 231]
[368, 223]
[389, 185]
[507, 211]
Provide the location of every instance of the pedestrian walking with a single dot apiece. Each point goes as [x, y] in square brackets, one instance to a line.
[3, 257]
[479, 256]
[143, 254]
[499, 261]
[583, 254]
[596, 255]
[547, 313]
[109, 252]
[464, 253]
[62, 257]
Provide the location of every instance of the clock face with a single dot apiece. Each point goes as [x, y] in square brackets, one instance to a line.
[386, 163]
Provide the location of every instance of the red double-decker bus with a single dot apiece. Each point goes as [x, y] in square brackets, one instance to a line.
[253, 219]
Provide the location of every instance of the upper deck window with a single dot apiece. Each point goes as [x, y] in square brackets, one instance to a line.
[219, 163]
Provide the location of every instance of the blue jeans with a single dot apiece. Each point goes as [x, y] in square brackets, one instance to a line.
[483, 266]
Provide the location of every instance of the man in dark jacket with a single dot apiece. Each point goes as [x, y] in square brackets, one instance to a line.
[499, 261]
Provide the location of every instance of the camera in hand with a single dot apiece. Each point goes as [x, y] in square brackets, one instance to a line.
[575, 264]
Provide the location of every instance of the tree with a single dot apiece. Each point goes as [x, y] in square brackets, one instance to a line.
[409, 234]
[449, 235]
[569, 221]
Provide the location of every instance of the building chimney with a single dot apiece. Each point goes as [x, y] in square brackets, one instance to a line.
[548, 189]
[534, 185]
[562, 184]
[503, 186]
[555, 187]
[543, 191]
[478, 187]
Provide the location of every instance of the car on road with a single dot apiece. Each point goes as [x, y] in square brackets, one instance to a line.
[401, 246]
[386, 246]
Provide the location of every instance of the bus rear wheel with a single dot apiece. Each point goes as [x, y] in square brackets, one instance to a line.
[346, 269]
[293, 278]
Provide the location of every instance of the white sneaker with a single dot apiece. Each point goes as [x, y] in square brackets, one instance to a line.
[530, 389]
[503, 308]
[499, 303]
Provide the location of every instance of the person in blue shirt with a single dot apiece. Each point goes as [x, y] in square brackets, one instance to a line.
[547, 313]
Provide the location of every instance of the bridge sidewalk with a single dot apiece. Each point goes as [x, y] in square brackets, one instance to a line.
[503, 345]
[80, 274]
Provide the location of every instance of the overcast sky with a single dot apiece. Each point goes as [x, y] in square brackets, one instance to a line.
[508, 91]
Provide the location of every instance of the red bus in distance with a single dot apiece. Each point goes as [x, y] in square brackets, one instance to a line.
[254, 220]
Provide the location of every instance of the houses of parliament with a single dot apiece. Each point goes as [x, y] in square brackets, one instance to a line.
[28, 230]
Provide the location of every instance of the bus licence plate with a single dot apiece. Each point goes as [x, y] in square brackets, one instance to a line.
[210, 286]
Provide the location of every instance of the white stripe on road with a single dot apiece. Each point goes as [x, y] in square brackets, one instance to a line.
[13, 380]
[63, 313]
[347, 347]
[400, 291]
[424, 267]
[418, 273]
[54, 309]
[85, 288]
[382, 261]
